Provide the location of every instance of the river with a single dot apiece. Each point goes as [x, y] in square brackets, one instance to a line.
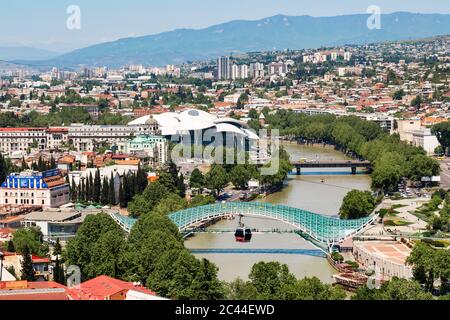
[320, 194]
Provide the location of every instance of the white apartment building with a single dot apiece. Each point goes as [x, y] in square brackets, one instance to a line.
[405, 129]
[256, 70]
[223, 68]
[21, 139]
[425, 139]
[347, 56]
[334, 56]
[239, 72]
[88, 137]
[278, 68]
[81, 137]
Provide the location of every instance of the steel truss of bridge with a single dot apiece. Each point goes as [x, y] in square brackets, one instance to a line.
[319, 228]
[352, 164]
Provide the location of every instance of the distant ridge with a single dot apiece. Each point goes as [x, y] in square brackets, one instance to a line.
[273, 33]
[25, 53]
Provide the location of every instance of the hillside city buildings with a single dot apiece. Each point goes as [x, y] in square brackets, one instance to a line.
[116, 122]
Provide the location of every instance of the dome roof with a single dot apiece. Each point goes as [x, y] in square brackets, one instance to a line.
[151, 121]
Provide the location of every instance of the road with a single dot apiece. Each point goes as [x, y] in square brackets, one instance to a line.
[445, 174]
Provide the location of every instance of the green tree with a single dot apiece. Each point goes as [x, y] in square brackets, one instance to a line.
[442, 132]
[240, 175]
[240, 290]
[398, 95]
[97, 186]
[206, 285]
[28, 272]
[174, 274]
[112, 191]
[417, 102]
[253, 114]
[147, 201]
[10, 247]
[97, 247]
[216, 179]
[430, 264]
[197, 180]
[271, 280]
[396, 289]
[58, 269]
[32, 239]
[422, 166]
[169, 204]
[357, 204]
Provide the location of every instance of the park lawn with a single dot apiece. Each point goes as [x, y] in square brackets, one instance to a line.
[398, 206]
[396, 223]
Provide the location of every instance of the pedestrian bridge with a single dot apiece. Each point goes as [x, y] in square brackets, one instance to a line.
[320, 228]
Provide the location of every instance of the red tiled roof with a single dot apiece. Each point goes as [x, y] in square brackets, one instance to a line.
[24, 290]
[37, 259]
[57, 130]
[7, 230]
[37, 296]
[102, 288]
[21, 129]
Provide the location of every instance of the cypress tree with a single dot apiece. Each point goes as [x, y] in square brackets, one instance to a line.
[112, 191]
[73, 191]
[122, 200]
[88, 190]
[41, 164]
[134, 185]
[52, 163]
[126, 189]
[24, 165]
[91, 186]
[27, 265]
[58, 270]
[181, 187]
[142, 180]
[97, 187]
[11, 247]
[3, 169]
[82, 196]
[104, 197]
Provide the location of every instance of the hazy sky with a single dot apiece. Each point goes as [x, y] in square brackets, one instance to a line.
[42, 23]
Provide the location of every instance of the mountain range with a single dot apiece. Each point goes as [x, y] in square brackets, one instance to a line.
[25, 53]
[240, 36]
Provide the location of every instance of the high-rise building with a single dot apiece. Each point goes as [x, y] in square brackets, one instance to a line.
[223, 68]
[244, 71]
[347, 56]
[278, 68]
[239, 72]
[235, 72]
[257, 70]
[334, 56]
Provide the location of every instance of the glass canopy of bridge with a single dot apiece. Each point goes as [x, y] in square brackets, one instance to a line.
[321, 228]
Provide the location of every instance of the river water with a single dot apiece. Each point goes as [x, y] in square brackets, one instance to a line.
[316, 193]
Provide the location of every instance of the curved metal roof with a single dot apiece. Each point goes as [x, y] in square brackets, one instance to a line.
[172, 123]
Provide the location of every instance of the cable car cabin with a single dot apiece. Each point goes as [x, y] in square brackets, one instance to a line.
[243, 235]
